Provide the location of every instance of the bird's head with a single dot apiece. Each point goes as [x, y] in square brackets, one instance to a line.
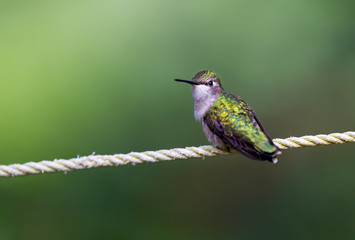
[205, 84]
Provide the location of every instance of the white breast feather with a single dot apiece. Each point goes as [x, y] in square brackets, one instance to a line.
[203, 101]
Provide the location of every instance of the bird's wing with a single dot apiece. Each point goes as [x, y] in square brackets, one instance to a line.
[236, 124]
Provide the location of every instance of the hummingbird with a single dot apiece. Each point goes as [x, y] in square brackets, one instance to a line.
[228, 121]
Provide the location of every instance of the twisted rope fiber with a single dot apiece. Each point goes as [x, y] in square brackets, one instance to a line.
[94, 161]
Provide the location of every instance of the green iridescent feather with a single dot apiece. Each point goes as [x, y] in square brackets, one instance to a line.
[236, 124]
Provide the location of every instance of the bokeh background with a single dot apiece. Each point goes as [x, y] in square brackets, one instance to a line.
[79, 77]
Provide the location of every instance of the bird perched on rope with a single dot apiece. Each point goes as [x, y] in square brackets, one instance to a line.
[228, 121]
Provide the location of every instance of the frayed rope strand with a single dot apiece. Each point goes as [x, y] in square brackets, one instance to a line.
[95, 161]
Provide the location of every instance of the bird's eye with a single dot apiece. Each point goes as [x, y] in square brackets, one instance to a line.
[210, 83]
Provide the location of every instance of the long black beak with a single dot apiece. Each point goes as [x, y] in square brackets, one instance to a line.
[187, 81]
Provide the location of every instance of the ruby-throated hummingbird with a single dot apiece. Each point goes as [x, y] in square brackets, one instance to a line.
[228, 121]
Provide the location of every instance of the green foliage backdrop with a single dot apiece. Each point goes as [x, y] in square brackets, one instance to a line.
[78, 77]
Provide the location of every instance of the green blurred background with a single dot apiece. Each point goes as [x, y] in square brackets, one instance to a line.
[78, 77]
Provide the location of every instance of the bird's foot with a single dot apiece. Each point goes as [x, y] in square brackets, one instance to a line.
[225, 148]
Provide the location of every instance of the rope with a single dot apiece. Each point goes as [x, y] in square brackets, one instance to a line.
[94, 161]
